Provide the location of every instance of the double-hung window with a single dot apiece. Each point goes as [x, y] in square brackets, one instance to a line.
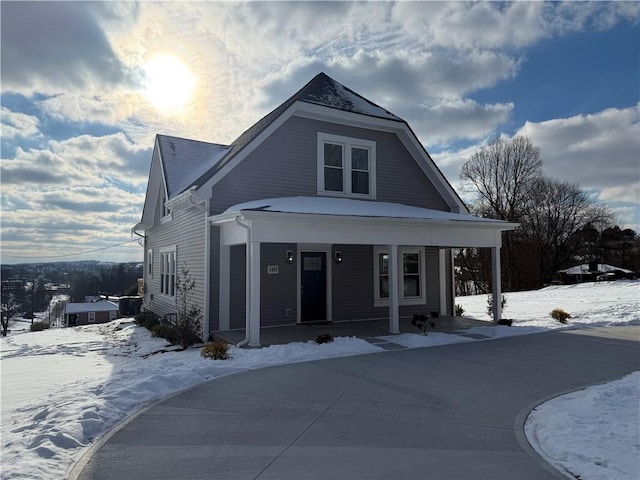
[346, 166]
[410, 276]
[168, 272]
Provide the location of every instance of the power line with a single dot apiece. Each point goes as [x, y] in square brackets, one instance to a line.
[72, 254]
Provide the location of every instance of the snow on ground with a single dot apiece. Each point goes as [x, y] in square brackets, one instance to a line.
[601, 425]
[63, 388]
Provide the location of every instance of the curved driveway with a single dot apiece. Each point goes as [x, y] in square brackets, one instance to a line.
[449, 412]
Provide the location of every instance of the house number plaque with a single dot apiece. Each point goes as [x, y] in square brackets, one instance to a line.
[273, 269]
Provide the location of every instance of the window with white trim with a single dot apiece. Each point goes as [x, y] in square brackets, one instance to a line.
[410, 275]
[150, 263]
[168, 272]
[346, 166]
[165, 210]
[92, 317]
[112, 315]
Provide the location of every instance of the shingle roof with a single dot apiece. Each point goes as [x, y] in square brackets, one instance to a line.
[320, 90]
[185, 160]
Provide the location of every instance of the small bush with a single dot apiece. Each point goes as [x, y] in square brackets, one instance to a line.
[143, 317]
[39, 326]
[216, 350]
[166, 331]
[503, 303]
[325, 338]
[560, 315]
[151, 322]
[459, 310]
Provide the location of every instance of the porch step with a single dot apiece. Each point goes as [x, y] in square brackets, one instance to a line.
[384, 344]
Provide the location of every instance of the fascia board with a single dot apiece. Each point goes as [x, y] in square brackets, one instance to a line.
[327, 229]
[361, 220]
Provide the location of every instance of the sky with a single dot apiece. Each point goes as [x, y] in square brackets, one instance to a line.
[85, 87]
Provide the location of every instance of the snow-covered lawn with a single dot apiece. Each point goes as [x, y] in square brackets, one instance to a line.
[61, 389]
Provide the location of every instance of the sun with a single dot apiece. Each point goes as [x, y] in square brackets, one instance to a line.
[169, 83]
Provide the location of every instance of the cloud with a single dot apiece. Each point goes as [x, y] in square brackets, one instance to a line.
[16, 124]
[599, 150]
[50, 47]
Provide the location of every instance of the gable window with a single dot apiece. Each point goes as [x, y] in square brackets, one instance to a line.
[346, 166]
[410, 276]
[166, 211]
[168, 272]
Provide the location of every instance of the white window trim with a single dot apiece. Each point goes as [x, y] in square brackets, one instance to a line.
[149, 265]
[347, 143]
[164, 251]
[166, 213]
[112, 315]
[91, 317]
[402, 300]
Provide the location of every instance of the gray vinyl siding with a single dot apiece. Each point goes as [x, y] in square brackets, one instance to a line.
[285, 165]
[353, 285]
[185, 231]
[278, 291]
[237, 284]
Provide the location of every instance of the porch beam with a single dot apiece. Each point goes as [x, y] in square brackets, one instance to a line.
[394, 310]
[496, 286]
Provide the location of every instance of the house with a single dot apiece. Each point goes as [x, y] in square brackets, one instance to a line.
[592, 272]
[327, 209]
[86, 313]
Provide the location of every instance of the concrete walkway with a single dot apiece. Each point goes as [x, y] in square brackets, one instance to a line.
[449, 412]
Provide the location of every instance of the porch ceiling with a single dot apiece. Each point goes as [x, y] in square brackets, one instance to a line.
[347, 221]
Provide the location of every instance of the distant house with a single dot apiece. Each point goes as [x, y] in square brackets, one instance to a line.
[592, 272]
[327, 209]
[87, 313]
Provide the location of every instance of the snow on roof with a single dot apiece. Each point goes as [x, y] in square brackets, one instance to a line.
[349, 207]
[101, 306]
[600, 268]
[185, 160]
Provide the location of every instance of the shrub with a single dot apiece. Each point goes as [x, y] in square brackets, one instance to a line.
[151, 321]
[503, 302]
[216, 350]
[459, 310]
[188, 315]
[325, 338]
[560, 315]
[166, 331]
[39, 326]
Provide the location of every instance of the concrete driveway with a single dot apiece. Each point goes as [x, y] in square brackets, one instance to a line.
[450, 412]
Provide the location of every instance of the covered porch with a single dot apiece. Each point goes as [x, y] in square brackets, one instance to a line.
[317, 225]
[365, 329]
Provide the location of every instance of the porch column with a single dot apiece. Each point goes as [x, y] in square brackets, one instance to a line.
[253, 293]
[496, 284]
[394, 313]
[442, 276]
[224, 288]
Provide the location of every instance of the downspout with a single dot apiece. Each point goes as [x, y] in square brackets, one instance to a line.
[247, 283]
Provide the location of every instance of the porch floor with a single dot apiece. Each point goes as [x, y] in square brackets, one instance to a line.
[361, 329]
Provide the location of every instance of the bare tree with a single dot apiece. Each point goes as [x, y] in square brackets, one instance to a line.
[555, 213]
[502, 173]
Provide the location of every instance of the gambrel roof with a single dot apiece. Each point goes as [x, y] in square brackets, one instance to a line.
[321, 90]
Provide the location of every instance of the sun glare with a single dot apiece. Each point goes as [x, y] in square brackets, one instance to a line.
[169, 83]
